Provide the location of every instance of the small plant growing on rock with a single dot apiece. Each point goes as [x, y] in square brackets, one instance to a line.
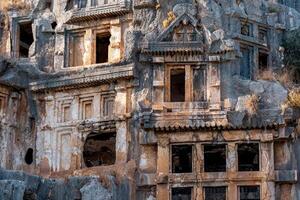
[171, 17]
[294, 98]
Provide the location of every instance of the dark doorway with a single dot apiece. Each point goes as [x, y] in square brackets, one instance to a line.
[263, 61]
[177, 85]
[25, 39]
[249, 193]
[182, 159]
[29, 156]
[248, 157]
[102, 46]
[245, 63]
[182, 193]
[99, 149]
[215, 193]
[215, 158]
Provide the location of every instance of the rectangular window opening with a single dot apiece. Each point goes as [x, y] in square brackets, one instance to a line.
[182, 158]
[249, 193]
[245, 63]
[81, 3]
[263, 61]
[262, 35]
[177, 85]
[66, 113]
[100, 149]
[108, 106]
[25, 39]
[76, 50]
[102, 47]
[182, 193]
[215, 158]
[215, 193]
[248, 157]
[88, 110]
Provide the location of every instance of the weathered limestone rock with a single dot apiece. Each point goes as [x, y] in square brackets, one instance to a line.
[95, 191]
[146, 99]
[11, 189]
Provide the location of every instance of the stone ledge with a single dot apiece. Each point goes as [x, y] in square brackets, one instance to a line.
[85, 80]
[144, 179]
[286, 176]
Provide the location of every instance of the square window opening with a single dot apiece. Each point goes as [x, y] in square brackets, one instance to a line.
[245, 29]
[177, 85]
[182, 159]
[248, 157]
[215, 193]
[182, 193]
[25, 39]
[99, 149]
[215, 158]
[102, 47]
[249, 193]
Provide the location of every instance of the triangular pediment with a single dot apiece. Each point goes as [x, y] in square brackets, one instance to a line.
[184, 28]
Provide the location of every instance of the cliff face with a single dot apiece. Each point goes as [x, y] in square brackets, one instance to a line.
[149, 99]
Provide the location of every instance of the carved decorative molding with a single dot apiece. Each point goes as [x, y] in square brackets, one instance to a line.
[98, 126]
[202, 121]
[104, 74]
[98, 12]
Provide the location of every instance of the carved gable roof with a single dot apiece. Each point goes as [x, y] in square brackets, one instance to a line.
[183, 34]
[184, 28]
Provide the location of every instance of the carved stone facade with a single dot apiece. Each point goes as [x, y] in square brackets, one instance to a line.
[146, 99]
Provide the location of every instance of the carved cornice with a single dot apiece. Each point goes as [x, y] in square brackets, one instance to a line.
[97, 76]
[98, 12]
[98, 126]
[204, 121]
[172, 47]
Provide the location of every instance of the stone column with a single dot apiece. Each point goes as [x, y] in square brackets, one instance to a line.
[59, 54]
[158, 82]
[114, 50]
[267, 158]
[268, 191]
[97, 106]
[121, 125]
[232, 162]
[121, 142]
[163, 166]
[88, 56]
[213, 84]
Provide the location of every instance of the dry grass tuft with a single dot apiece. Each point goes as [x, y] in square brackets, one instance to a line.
[171, 17]
[252, 104]
[294, 97]
[283, 77]
[267, 75]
